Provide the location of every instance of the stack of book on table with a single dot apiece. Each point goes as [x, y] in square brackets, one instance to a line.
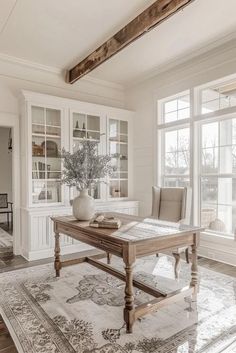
[102, 221]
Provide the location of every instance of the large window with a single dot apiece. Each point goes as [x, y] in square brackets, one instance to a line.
[198, 149]
[176, 108]
[218, 173]
[213, 99]
[177, 157]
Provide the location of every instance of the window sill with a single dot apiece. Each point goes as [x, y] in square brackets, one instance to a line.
[217, 236]
[218, 247]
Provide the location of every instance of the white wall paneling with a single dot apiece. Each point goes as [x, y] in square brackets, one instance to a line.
[38, 238]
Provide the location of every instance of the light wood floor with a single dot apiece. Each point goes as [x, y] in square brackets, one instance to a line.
[18, 262]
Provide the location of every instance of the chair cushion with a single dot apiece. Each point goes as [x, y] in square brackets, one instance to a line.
[171, 204]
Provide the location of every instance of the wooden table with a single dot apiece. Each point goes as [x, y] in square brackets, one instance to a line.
[136, 238]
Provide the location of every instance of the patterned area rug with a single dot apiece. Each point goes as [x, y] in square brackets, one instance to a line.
[82, 311]
[5, 239]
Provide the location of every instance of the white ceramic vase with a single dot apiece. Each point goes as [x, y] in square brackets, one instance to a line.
[83, 206]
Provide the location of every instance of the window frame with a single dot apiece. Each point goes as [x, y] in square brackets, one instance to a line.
[195, 123]
[163, 173]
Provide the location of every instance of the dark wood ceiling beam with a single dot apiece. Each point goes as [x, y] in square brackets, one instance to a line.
[159, 11]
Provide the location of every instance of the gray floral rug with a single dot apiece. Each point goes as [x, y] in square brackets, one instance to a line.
[82, 311]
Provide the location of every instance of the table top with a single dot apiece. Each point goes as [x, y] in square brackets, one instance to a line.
[134, 229]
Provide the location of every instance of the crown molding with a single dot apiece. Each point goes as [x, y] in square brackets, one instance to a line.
[203, 53]
[57, 71]
[29, 64]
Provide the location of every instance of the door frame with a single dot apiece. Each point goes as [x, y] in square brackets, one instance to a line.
[10, 120]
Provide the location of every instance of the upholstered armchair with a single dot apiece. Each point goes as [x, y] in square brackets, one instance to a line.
[173, 205]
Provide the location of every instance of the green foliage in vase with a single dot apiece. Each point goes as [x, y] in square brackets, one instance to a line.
[85, 167]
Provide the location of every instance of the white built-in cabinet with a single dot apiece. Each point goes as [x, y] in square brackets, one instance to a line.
[48, 124]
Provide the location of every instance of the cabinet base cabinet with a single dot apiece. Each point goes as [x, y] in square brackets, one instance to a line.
[37, 230]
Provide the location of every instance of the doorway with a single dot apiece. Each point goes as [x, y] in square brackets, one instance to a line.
[6, 194]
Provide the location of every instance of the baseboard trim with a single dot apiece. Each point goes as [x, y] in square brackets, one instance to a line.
[217, 255]
[218, 248]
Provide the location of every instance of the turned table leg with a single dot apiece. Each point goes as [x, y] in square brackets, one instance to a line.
[57, 250]
[129, 292]
[194, 268]
[177, 264]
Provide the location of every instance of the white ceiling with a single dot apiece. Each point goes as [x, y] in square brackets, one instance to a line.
[59, 33]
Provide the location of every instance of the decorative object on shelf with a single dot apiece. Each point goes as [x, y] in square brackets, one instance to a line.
[217, 225]
[83, 169]
[37, 150]
[51, 148]
[76, 131]
[102, 221]
[116, 192]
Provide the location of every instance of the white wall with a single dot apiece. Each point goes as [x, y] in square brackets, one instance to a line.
[5, 166]
[143, 98]
[16, 75]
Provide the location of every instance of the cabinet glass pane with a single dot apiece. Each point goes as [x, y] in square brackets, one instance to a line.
[79, 125]
[53, 191]
[39, 192]
[93, 135]
[124, 188]
[53, 131]
[79, 121]
[114, 130]
[52, 147]
[38, 143]
[38, 115]
[53, 122]
[53, 117]
[87, 127]
[124, 127]
[46, 162]
[93, 123]
[94, 191]
[38, 129]
[114, 188]
[118, 149]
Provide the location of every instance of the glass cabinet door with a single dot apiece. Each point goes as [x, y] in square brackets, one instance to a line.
[46, 162]
[87, 127]
[118, 150]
